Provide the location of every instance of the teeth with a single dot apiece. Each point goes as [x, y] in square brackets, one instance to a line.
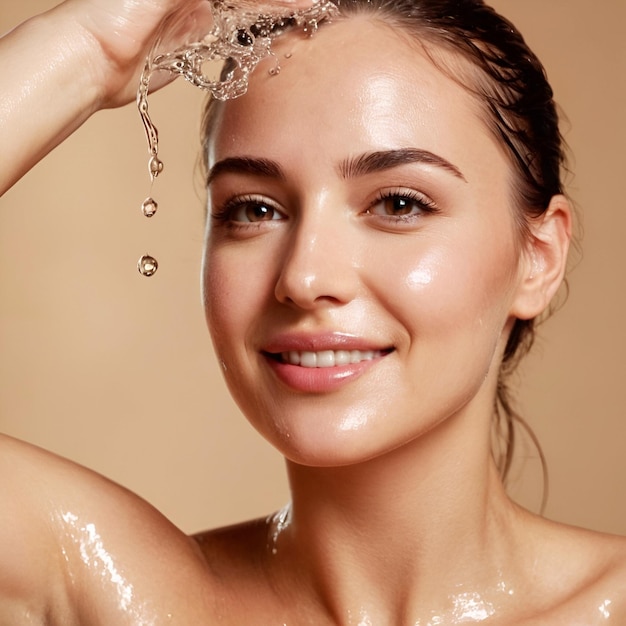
[328, 358]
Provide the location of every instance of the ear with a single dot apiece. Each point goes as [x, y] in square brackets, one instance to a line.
[544, 259]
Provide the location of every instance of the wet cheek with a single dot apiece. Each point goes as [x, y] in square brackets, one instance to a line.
[451, 282]
[424, 278]
[435, 286]
[421, 275]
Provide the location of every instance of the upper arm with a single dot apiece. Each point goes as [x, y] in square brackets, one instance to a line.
[76, 548]
[32, 574]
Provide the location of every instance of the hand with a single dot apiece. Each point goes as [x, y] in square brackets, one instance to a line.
[126, 30]
[93, 52]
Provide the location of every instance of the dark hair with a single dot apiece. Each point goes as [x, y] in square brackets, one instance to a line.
[510, 84]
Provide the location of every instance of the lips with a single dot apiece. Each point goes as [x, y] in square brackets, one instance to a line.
[319, 364]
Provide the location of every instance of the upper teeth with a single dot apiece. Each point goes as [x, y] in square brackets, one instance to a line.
[328, 358]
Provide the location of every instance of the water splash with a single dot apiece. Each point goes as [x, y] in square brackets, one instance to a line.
[240, 38]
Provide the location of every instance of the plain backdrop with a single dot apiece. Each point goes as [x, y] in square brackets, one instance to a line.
[116, 371]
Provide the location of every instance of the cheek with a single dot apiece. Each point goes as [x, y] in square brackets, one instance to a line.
[452, 284]
[238, 287]
[223, 296]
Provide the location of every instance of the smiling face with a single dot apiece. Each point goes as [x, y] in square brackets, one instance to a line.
[360, 222]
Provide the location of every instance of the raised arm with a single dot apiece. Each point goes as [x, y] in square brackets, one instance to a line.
[76, 548]
[60, 67]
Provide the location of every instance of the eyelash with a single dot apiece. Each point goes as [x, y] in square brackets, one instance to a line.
[227, 212]
[426, 204]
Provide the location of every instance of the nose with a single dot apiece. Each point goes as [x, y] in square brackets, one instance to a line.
[320, 266]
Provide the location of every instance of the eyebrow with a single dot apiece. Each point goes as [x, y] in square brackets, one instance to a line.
[352, 167]
[245, 165]
[371, 162]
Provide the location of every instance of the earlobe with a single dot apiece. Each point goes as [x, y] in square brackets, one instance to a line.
[544, 259]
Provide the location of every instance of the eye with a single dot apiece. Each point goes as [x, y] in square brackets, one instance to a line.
[248, 209]
[402, 204]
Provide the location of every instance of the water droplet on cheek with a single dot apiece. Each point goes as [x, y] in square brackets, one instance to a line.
[147, 265]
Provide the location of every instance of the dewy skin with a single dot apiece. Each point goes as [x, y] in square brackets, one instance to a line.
[241, 37]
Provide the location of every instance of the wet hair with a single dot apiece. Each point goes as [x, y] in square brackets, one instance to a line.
[489, 58]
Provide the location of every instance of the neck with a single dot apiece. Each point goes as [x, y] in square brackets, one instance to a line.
[431, 516]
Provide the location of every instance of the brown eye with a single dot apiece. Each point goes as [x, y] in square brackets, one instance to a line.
[399, 205]
[254, 211]
[402, 205]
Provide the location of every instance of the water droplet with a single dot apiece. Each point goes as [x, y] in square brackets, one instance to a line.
[274, 71]
[277, 524]
[288, 55]
[149, 207]
[155, 166]
[244, 38]
[147, 265]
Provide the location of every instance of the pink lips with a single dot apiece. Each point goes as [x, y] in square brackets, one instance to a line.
[321, 363]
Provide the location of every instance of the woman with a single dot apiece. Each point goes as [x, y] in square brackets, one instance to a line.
[364, 287]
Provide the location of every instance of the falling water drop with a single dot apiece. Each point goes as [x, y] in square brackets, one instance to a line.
[147, 265]
[155, 166]
[240, 37]
[149, 207]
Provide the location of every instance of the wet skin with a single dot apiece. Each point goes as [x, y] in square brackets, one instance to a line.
[371, 216]
[385, 227]
[385, 231]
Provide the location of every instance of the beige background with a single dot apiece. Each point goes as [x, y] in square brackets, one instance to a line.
[116, 371]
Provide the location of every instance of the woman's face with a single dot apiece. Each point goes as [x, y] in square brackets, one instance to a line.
[360, 222]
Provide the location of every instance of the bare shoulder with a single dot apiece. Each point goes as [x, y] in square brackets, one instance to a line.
[77, 548]
[584, 572]
[607, 583]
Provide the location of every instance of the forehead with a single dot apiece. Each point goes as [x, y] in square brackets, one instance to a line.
[357, 85]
